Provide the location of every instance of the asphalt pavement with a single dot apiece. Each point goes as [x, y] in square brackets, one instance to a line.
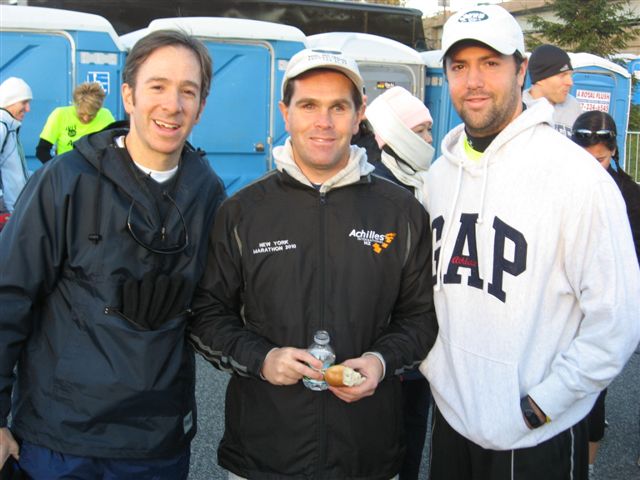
[616, 460]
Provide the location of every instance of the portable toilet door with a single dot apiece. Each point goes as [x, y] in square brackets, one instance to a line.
[437, 99]
[54, 50]
[241, 122]
[600, 84]
[633, 67]
[383, 63]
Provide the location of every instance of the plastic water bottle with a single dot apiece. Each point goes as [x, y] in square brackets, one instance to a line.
[320, 349]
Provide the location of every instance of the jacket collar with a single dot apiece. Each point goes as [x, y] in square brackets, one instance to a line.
[356, 168]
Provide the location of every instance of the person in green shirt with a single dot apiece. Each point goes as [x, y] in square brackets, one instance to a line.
[66, 125]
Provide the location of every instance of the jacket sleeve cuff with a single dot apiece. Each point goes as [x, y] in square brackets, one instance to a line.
[265, 357]
[552, 397]
[381, 358]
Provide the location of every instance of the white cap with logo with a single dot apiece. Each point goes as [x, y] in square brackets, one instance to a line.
[489, 24]
[311, 59]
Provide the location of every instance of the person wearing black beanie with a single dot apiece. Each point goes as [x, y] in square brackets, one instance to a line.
[551, 73]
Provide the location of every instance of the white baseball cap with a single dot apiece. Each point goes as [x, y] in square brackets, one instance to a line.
[311, 59]
[488, 24]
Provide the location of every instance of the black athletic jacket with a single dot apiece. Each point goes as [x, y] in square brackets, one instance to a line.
[631, 193]
[284, 261]
[89, 381]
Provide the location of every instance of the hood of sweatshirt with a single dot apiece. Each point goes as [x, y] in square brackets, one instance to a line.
[538, 113]
[114, 165]
[356, 167]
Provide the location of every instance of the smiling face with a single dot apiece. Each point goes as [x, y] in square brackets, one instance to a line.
[164, 106]
[485, 88]
[321, 119]
[19, 109]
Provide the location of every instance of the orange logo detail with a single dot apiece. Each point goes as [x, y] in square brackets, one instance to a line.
[388, 238]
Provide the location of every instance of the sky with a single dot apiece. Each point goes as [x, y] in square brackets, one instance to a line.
[429, 7]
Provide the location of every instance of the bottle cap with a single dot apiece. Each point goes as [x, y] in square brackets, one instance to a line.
[321, 337]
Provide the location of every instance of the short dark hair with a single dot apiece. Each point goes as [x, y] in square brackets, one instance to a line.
[289, 89]
[595, 120]
[168, 38]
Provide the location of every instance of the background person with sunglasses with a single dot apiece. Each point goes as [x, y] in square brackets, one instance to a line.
[98, 266]
[596, 132]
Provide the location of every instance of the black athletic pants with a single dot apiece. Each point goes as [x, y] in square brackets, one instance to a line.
[453, 457]
[416, 397]
[596, 418]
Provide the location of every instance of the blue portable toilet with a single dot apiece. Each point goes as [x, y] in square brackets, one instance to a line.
[55, 50]
[599, 84]
[633, 67]
[241, 122]
[632, 63]
[437, 98]
[383, 63]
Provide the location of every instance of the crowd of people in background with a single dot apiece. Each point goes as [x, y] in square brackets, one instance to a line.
[63, 128]
[476, 287]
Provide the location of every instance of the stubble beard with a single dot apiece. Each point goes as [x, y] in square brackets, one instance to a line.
[494, 120]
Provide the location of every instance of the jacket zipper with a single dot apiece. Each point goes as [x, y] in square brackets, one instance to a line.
[322, 444]
[118, 313]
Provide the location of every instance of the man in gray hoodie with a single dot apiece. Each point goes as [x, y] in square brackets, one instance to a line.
[531, 324]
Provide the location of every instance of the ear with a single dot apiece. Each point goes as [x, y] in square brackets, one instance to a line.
[522, 73]
[127, 98]
[284, 110]
[359, 117]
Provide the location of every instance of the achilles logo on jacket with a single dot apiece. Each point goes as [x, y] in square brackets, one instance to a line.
[509, 254]
[377, 241]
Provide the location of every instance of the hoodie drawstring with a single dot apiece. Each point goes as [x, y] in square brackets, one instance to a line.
[447, 230]
[483, 192]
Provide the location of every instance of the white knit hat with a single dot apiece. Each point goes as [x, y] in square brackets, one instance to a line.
[393, 106]
[392, 116]
[14, 90]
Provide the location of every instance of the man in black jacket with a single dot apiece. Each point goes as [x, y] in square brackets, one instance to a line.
[98, 266]
[318, 244]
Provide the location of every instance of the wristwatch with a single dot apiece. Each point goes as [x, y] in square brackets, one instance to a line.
[529, 413]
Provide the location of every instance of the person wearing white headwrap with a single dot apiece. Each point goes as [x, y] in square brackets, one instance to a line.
[15, 102]
[402, 126]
